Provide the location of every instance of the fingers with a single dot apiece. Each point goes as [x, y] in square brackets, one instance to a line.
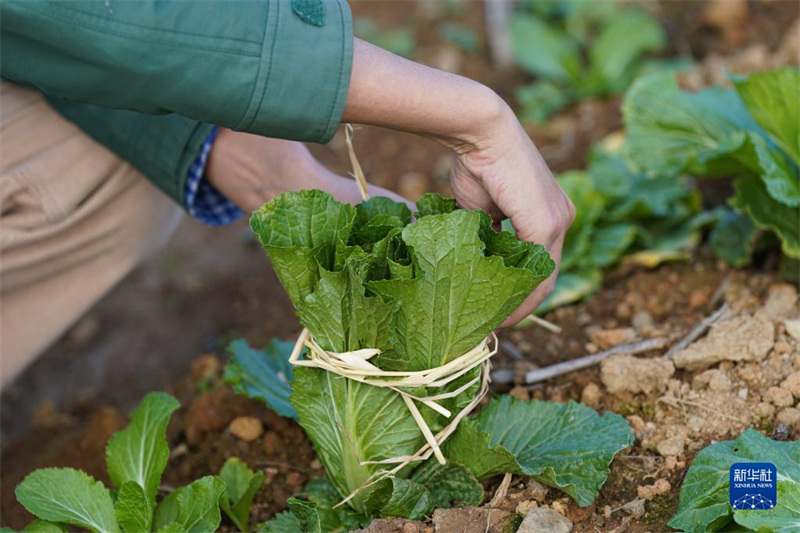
[542, 291]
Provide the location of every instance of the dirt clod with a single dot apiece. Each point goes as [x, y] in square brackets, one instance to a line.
[742, 338]
[542, 519]
[472, 520]
[247, 428]
[626, 373]
[648, 492]
[608, 338]
[395, 525]
[792, 384]
[781, 301]
[789, 416]
[779, 397]
[273, 443]
[793, 328]
[205, 367]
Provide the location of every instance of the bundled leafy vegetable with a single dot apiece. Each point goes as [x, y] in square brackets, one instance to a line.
[422, 293]
[551, 39]
[136, 458]
[704, 494]
[750, 132]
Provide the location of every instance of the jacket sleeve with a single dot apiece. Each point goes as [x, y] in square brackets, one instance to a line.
[279, 68]
[162, 147]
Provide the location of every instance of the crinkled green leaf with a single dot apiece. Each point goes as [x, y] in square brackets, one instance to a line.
[264, 374]
[195, 507]
[780, 176]
[458, 295]
[448, 484]
[783, 518]
[434, 204]
[621, 44]
[306, 514]
[753, 199]
[733, 237]
[396, 497]
[140, 452]
[704, 496]
[543, 50]
[241, 486]
[333, 517]
[669, 131]
[68, 496]
[376, 217]
[772, 99]
[133, 511]
[172, 528]
[40, 526]
[565, 446]
[300, 231]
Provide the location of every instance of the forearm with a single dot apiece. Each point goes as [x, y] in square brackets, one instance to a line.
[387, 90]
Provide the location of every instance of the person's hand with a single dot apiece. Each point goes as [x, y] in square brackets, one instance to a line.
[250, 170]
[504, 174]
[496, 166]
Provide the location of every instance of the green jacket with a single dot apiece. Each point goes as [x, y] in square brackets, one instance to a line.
[170, 69]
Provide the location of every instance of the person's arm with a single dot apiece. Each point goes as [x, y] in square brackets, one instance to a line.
[496, 167]
[272, 67]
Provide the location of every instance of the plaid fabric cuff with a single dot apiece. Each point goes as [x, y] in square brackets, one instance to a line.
[203, 201]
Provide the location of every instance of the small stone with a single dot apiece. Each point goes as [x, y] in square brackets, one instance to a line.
[698, 298]
[273, 444]
[789, 416]
[590, 347]
[695, 423]
[743, 393]
[648, 492]
[792, 384]
[793, 328]
[641, 320]
[626, 373]
[537, 490]
[671, 446]
[525, 507]
[635, 508]
[247, 428]
[781, 301]
[591, 395]
[608, 338]
[295, 479]
[779, 397]
[539, 520]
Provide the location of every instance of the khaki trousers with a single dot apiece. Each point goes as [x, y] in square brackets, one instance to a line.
[74, 220]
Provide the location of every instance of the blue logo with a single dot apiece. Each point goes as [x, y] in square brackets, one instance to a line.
[754, 486]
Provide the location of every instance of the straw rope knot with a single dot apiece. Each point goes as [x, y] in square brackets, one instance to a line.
[355, 365]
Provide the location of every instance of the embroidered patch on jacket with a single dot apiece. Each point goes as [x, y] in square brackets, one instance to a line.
[311, 11]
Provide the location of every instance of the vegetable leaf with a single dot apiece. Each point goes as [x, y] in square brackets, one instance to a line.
[783, 518]
[733, 238]
[703, 504]
[68, 496]
[543, 50]
[40, 526]
[752, 198]
[566, 446]
[396, 497]
[264, 374]
[448, 483]
[195, 507]
[140, 452]
[241, 486]
[134, 513]
[284, 522]
[771, 97]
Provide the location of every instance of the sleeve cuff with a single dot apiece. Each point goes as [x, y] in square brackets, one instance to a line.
[301, 89]
[203, 201]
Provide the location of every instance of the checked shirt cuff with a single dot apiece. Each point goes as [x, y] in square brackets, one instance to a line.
[203, 201]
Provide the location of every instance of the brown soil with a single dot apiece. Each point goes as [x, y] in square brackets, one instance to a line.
[211, 285]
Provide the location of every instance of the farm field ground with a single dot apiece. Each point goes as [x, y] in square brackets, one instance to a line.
[167, 325]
